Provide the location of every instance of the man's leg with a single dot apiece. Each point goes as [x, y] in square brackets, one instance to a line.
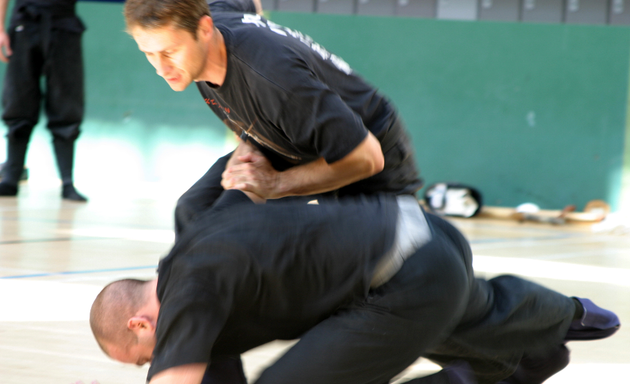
[20, 101]
[65, 103]
[590, 322]
[516, 328]
[225, 370]
[375, 338]
[507, 318]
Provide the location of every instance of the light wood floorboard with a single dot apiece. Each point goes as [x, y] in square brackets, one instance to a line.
[55, 256]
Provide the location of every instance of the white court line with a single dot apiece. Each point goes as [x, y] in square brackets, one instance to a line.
[591, 373]
[576, 373]
[71, 356]
[539, 243]
[552, 270]
[490, 264]
[28, 300]
[36, 300]
[106, 277]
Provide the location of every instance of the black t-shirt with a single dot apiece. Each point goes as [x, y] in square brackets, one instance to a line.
[290, 95]
[244, 274]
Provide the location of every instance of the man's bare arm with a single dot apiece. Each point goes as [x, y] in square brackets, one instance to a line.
[5, 44]
[259, 8]
[184, 374]
[255, 173]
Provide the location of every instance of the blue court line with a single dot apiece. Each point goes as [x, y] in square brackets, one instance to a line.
[60, 221]
[78, 272]
[46, 240]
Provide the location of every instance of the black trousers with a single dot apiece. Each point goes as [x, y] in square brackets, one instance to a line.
[433, 307]
[40, 50]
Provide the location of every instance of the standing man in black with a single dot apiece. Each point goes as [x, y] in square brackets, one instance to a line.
[43, 39]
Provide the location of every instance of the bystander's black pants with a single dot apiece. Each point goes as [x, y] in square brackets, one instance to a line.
[40, 48]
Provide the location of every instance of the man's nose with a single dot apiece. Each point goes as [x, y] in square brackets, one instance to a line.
[162, 66]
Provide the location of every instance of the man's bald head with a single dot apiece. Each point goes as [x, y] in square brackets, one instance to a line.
[113, 307]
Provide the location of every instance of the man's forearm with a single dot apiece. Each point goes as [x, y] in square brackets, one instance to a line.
[319, 176]
[252, 172]
[4, 5]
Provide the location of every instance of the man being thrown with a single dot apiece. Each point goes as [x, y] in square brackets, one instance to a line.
[368, 285]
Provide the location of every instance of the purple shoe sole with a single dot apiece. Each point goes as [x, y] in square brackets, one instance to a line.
[596, 323]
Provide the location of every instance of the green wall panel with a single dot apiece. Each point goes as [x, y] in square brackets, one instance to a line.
[525, 112]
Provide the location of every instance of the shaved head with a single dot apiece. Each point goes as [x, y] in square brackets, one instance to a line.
[112, 308]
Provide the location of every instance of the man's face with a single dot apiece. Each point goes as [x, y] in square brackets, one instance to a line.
[175, 54]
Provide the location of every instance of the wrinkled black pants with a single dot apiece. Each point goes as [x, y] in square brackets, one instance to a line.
[433, 307]
[55, 54]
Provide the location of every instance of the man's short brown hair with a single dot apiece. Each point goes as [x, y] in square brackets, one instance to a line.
[148, 14]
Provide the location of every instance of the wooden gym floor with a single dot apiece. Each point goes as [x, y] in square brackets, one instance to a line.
[55, 256]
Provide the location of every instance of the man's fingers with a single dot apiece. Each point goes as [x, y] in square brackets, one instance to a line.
[231, 179]
[241, 186]
[244, 168]
[245, 158]
[244, 187]
[5, 47]
[253, 157]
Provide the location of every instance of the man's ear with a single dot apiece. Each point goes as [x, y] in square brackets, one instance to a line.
[140, 324]
[205, 27]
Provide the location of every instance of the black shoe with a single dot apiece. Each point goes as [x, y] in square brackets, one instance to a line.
[23, 176]
[69, 193]
[596, 323]
[535, 370]
[7, 189]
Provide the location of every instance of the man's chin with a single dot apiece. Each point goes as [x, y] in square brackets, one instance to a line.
[178, 86]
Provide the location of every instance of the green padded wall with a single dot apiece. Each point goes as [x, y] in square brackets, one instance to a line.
[525, 112]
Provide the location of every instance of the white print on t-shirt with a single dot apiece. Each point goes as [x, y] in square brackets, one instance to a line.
[307, 40]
